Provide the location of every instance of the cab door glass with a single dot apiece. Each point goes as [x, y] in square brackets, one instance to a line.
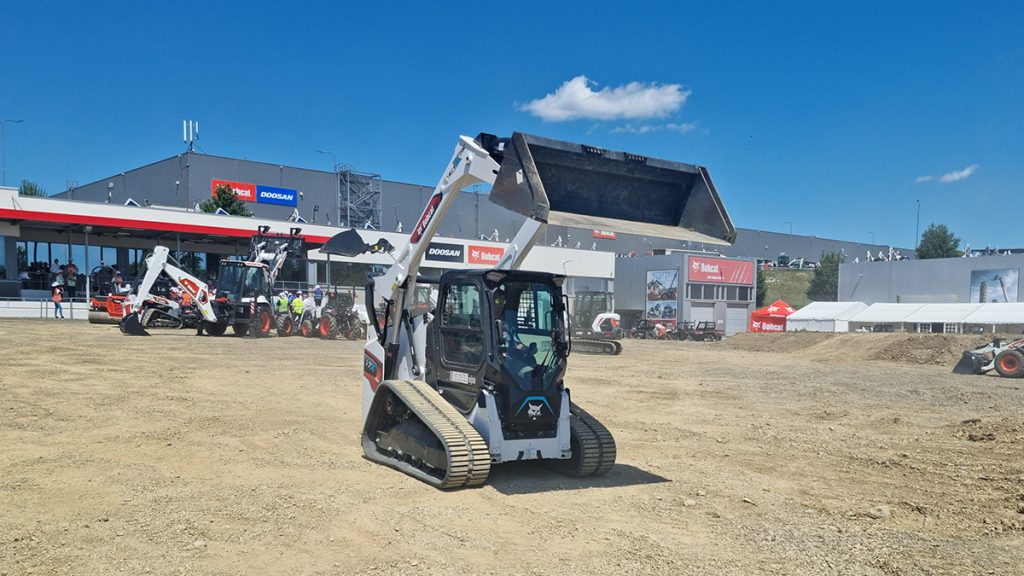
[461, 333]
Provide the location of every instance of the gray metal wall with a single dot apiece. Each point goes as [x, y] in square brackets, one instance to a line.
[936, 280]
[164, 182]
[759, 244]
[184, 180]
[631, 278]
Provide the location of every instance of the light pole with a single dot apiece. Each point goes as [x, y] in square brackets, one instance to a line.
[917, 229]
[872, 238]
[3, 149]
[337, 181]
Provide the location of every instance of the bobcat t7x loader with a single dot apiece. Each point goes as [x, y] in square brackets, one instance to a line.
[480, 380]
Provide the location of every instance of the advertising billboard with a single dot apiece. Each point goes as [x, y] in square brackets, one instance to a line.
[243, 190]
[662, 302]
[721, 270]
[273, 195]
[485, 255]
[442, 252]
[994, 285]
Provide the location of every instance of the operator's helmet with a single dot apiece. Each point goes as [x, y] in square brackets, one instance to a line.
[317, 287]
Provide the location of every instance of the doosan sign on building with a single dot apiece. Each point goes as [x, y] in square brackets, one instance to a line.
[258, 193]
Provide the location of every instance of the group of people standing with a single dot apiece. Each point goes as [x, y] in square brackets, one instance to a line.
[296, 302]
[65, 278]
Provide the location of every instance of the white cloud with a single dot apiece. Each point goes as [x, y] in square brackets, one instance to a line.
[683, 128]
[958, 175]
[634, 129]
[576, 100]
[631, 128]
[954, 176]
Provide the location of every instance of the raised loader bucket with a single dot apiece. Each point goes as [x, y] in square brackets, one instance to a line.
[586, 187]
[131, 326]
[970, 363]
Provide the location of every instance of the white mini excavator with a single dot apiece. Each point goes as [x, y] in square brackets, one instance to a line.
[479, 380]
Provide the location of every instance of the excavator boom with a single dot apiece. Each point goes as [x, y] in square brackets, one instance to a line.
[159, 262]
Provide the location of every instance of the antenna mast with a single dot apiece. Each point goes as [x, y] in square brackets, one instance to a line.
[190, 133]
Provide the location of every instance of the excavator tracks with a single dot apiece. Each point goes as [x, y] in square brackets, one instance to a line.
[421, 419]
[593, 447]
[156, 318]
[594, 346]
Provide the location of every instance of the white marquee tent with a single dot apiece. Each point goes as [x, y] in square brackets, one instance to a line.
[935, 317]
[824, 316]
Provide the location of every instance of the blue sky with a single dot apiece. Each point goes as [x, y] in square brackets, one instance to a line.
[837, 118]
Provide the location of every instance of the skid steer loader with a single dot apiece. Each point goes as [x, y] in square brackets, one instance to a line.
[479, 380]
[1006, 358]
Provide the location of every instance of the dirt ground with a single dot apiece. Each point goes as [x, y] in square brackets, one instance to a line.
[798, 455]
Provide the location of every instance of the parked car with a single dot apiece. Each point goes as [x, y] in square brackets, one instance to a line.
[704, 331]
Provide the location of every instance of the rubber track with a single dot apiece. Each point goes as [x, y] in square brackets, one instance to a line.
[469, 459]
[602, 448]
[595, 346]
[148, 316]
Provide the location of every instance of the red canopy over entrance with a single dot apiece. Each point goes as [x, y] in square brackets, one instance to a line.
[771, 318]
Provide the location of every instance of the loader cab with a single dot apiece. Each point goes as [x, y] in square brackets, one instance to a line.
[586, 308]
[237, 280]
[504, 331]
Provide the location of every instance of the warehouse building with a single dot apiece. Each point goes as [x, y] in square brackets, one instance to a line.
[326, 202]
[348, 197]
[982, 279]
[36, 232]
[686, 287]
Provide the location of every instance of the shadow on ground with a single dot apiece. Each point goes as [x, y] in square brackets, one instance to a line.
[532, 477]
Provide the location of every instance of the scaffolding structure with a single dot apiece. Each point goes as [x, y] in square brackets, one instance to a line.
[359, 199]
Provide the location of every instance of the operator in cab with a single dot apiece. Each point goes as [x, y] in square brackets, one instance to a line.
[522, 358]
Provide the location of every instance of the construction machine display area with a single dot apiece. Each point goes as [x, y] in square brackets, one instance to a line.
[468, 369]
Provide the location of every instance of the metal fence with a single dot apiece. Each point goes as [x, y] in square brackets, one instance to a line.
[42, 308]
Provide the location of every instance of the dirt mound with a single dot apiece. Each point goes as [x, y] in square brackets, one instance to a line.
[775, 342]
[940, 349]
[909, 348]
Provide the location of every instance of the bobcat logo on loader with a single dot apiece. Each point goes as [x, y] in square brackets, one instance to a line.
[534, 411]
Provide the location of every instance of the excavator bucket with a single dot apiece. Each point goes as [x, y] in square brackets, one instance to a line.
[347, 243]
[586, 187]
[131, 325]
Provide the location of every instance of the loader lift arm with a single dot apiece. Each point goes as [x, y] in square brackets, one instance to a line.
[160, 261]
[274, 250]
